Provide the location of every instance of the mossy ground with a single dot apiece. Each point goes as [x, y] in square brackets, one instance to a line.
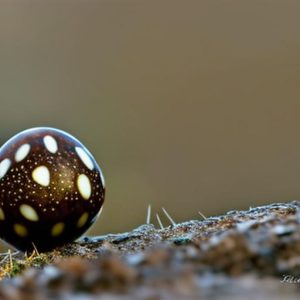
[241, 248]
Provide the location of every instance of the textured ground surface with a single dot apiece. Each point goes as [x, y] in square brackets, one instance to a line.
[240, 255]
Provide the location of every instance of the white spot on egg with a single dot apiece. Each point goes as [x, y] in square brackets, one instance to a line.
[57, 229]
[22, 152]
[85, 158]
[50, 143]
[2, 216]
[20, 230]
[4, 167]
[82, 220]
[84, 186]
[41, 175]
[28, 212]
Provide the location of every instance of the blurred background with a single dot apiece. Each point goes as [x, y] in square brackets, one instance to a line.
[190, 105]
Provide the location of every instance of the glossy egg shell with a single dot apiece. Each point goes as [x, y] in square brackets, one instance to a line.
[51, 189]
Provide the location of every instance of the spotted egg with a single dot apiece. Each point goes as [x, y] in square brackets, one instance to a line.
[51, 189]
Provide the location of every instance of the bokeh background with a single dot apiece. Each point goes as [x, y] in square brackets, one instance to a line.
[190, 105]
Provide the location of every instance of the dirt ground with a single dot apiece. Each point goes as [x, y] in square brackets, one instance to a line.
[252, 254]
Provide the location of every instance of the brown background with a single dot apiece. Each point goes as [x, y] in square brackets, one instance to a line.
[190, 105]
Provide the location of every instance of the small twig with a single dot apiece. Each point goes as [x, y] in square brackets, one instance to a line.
[6, 253]
[10, 259]
[148, 215]
[35, 249]
[202, 215]
[5, 256]
[169, 217]
[159, 221]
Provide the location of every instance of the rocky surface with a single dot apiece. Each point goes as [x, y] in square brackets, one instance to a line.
[252, 254]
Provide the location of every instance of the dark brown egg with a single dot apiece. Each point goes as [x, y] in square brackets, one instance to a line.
[51, 189]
